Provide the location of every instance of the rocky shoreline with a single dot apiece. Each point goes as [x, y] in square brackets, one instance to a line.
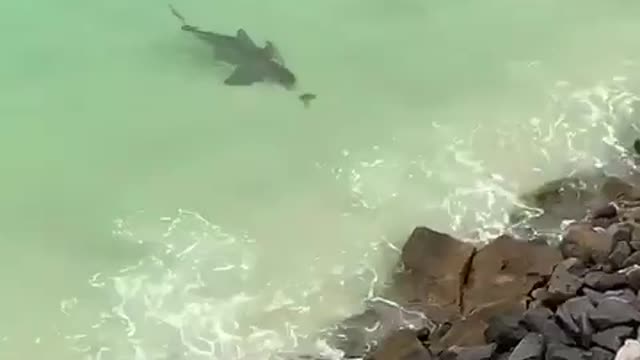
[563, 295]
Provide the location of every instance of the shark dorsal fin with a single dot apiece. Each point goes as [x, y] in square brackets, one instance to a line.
[244, 38]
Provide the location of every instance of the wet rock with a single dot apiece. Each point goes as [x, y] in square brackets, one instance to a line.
[602, 281]
[633, 278]
[614, 188]
[598, 353]
[534, 319]
[605, 211]
[436, 266]
[633, 259]
[582, 242]
[612, 339]
[620, 232]
[629, 351]
[467, 332]
[504, 272]
[573, 315]
[563, 352]
[484, 352]
[400, 345]
[505, 330]
[620, 253]
[611, 312]
[561, 199]
[531, 347]
[563, 285]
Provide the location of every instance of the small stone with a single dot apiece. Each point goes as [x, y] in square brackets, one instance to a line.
[531, 347]
[573, 315]
[633, 278]
[635, 245]
[629, 351]
[482, 352]
[598, 353]
[611, 312]
[620, 232]
[563, 285]
[563, 352]
[633, 259]
[612, 339]
[505, 330]
[619, 254]
[602, 281]
[534, 319]
[606, 211]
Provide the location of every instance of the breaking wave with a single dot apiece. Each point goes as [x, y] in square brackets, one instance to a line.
[202, 293]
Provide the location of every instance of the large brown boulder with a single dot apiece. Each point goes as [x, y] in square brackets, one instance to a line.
[435, 269]
[504, 272]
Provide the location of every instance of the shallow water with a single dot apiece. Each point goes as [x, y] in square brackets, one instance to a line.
[139, 193]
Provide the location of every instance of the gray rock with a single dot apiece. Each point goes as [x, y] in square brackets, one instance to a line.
[563, 352]
[573, 315]
[611, 312]
[633, 259]
[635, 245]
[619, 254]
[593, 295]
[563, 285]
[633, 278]
[626, 294]
[531, 347]
[612, 339]
[598, 353]
[603, 281]
[535, 319]
[505, 330]
[552, 332]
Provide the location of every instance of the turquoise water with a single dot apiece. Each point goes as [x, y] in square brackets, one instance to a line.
[121, 147]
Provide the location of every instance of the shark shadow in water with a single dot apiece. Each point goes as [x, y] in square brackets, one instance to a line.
[252, 63]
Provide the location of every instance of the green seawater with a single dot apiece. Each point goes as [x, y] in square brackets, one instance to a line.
[147, 211]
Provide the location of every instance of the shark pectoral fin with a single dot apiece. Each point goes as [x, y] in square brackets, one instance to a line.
[244, 38]
[243, 75]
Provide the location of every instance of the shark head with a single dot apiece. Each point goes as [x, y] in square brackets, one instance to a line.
[282, 75]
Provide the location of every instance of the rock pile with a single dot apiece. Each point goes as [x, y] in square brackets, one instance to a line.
[526, 300]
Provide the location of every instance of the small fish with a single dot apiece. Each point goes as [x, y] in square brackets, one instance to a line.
[306, 98]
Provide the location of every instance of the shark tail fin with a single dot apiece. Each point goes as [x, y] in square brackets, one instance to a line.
[178, 15]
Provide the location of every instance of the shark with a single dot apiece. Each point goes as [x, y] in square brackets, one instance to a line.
[252, 63]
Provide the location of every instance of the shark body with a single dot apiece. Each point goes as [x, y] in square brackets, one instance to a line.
[252, 63]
